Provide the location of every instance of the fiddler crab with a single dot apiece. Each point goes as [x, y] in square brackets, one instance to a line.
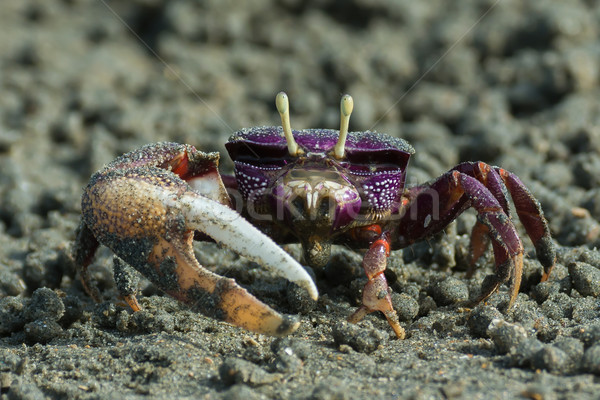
[317, 187]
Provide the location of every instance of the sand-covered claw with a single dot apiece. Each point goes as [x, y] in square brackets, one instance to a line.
[146, 206]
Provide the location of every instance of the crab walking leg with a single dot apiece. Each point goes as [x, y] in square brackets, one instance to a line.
[83, 253]
[433, 207]
[480, 240]
[508, 249]
[530, 213]
[491, 180]
[500, 182]
[485, 174]
[376, 293]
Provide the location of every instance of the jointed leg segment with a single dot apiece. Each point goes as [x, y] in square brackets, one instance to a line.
[376, 293]
[486, 189]
[476, 185]
[508, 250]
[500, 182]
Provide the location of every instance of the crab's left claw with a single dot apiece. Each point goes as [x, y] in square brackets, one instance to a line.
[234, 304]
[147, 216]
[233, 231]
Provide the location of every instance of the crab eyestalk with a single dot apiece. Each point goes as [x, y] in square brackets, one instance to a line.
[283, 107]
[346, 106]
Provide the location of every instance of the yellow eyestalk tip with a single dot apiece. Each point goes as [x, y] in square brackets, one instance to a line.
[282, 103]
[283, 107]
[346, 107]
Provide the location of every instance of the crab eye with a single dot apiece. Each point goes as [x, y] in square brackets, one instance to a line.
[376, 161]
[390, 158]
[260, 155]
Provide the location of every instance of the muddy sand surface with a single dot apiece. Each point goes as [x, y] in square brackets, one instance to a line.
[512, 83]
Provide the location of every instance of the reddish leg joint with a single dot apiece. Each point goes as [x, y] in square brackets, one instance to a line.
[376, 293]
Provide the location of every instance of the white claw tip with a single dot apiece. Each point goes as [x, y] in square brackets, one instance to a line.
[230, 229]
[346, 107]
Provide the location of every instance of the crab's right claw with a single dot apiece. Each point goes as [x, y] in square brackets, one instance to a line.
[148, 218]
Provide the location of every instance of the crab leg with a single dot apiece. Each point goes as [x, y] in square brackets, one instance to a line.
[376, 294]
[529, 210]
[84, 249]
[432, 207]
[148, 216]
[480, 240]
[530, 213]
[480, 233]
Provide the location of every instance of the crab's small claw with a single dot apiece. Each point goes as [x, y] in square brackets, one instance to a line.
[147, 216]
[376, 293]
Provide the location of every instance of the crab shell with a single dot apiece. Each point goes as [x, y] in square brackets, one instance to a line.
[315, 196]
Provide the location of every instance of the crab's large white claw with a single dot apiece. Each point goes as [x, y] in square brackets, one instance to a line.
[147, 216]
[230, 229]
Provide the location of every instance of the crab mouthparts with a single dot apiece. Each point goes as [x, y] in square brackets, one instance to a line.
[317, 201]
[314, 201]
